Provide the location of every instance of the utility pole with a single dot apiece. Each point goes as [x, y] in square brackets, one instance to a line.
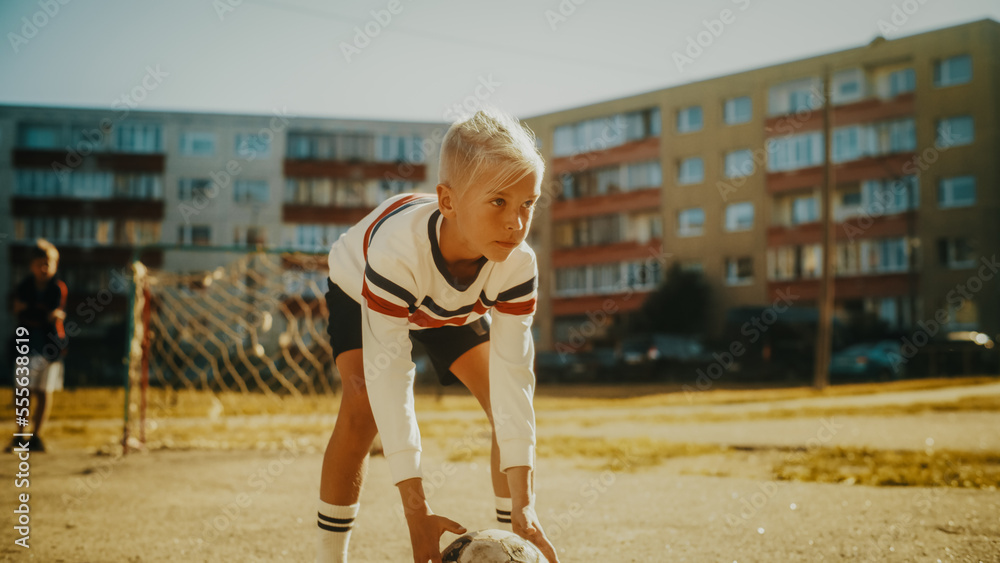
[825, 303]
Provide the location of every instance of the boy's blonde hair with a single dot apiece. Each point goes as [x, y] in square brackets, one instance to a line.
[490, 142]
[44, 249]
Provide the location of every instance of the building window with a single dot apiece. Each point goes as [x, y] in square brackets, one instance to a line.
[794, 96]
[955, 131]
[849, 204]
[691, 171]
[646, 274]
[739, 163]
[902, 135]
[251, 191]
[848, 86]
[39, 136]
[605, 132]
[847, 144]
[952, 71]
[643, 175]
[795, 262]
[137, 233]
[805, 209]
[645, 227]
[189, 189]
[890, 196]
[689, 119]
[847, 259]
[957, 192]
[138, 138]
[571, 281]
[690, 222]
[739, 271]
[795, 151]
[197, 144]
[739, 216]
[196, 235]
[956, 253]
[737, 110]
[253, 146]
[138, 186]
[398, 148]
[881, 256]
[902, 81]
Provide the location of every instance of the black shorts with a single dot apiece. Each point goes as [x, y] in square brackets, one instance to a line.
[444, 345]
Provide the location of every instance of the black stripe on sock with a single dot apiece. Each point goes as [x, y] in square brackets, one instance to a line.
[330, 528]
[503, 520]
[326, 518]
[503, 512]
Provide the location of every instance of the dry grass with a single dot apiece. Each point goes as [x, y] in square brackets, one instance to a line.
[862, 466]
[966, 404]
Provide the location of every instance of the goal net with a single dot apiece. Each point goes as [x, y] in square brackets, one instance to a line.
[257, 325]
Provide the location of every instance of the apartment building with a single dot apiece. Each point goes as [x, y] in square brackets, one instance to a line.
[108, 186]
[724, 176]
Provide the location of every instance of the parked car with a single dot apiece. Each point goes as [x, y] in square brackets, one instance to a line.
[661, 354]
[565, 366]
[869, 360]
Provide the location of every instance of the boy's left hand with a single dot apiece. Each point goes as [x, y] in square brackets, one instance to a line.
[524, 522]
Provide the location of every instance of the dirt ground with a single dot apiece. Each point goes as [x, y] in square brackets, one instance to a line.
[219, 501]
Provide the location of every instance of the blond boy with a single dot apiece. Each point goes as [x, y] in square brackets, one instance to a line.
[432, 267]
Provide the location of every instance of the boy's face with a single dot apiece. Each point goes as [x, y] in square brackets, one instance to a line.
[493, 225]
[44, 268]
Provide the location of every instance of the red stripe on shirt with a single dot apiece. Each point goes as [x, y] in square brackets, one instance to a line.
[379, 305]
[424, 320]
[390, 209]
[63, 293]
[520, 308]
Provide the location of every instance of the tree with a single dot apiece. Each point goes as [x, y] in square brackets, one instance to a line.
[678, 306]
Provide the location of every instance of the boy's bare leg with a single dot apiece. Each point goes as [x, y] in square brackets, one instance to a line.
[41, 411]
[472, 369]
[345, 462]
[346, 458]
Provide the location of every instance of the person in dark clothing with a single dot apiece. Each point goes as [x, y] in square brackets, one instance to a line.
[40, 307]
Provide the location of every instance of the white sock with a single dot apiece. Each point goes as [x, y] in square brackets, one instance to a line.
[335, 523]
[504, 506]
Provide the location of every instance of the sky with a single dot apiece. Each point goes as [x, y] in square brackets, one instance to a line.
[418, 60]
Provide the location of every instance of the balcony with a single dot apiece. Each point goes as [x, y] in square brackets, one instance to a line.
[113, 208]
[869, 168]
[322, 214]
[636, 151]
[117, 161]
[639, 200]
[870, 109]
[849, 287]
[604, 253]
[611, 303]
[864, 226]
[407, 171]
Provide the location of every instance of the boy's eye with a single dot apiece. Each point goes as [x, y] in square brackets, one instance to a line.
[498, 201]
[529, 204]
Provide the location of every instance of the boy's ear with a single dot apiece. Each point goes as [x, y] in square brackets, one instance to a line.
[446, 201]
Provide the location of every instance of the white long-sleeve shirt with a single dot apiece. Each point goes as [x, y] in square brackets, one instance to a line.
[391, 263]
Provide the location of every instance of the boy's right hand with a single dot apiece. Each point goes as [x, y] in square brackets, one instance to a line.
[425, 534]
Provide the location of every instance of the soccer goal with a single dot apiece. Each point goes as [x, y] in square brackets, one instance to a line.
[256, 325]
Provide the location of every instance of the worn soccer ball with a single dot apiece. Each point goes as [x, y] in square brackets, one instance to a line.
[492, 546]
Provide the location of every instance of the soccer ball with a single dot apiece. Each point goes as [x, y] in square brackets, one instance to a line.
[492, 546]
